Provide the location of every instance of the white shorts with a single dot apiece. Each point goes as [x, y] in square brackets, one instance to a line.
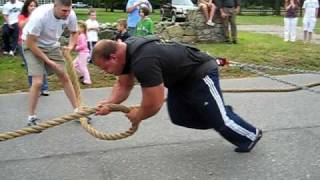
[309, 24]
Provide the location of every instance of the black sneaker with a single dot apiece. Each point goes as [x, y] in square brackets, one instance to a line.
[251, 146]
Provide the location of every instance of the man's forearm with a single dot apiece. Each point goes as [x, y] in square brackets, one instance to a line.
[121, 90]
[152, 101]
[73, 40]
[146, 111]
[32, 45]
[118, 95]
[131, 8]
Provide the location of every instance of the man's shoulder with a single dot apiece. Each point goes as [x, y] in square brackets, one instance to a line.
[42, 10]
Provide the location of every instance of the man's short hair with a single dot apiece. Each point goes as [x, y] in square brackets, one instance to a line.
[103, 49]
[123, 22]
[64, 2]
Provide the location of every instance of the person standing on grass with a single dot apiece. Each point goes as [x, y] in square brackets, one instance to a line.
[10, 30]
[28, 7]
[290, 20]
[81, 63]
[310, 11]
[92, 30]
[145, 25]
[132, 9]
[229, 10]
[42, 49]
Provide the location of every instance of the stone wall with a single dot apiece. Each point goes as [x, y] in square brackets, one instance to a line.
[193, 30]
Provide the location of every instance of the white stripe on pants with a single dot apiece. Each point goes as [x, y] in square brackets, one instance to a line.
[227, 121]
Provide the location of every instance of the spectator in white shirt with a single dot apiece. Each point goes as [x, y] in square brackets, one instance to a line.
[10, 30]
[310, 8]
[92, 30]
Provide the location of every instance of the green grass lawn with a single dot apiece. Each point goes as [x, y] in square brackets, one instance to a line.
[103, 16]
[253, 48]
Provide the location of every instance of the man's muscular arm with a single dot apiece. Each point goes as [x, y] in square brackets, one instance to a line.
[152, 101]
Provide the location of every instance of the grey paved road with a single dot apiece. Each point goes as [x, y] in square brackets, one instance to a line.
[290, 148]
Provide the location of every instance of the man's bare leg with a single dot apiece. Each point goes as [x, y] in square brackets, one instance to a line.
[310, 37]
[205, 12]
[68, 89]
[212, 12]
[34, 93]
[305, 34]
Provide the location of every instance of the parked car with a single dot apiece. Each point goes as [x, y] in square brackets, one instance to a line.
[176, 10]
[80, 5]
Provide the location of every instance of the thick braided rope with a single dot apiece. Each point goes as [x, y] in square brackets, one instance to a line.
[251, 68]
[83, 113]
[109, 136]
[263, 90]
[45, 125]
[83, 120]
[73, 76]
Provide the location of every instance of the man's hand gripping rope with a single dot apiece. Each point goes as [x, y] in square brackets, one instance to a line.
[84, 112]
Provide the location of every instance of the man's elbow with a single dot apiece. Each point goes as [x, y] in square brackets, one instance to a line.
[152, 109]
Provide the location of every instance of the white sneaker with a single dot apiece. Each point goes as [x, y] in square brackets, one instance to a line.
[45, 93]
[5, 52]
[210, 23]
[11, 53]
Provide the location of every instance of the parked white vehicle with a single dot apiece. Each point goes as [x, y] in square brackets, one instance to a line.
[80, 5]
[176, 10]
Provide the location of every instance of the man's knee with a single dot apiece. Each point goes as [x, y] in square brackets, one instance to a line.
[37, 81]
[204, 7]
[64, 78]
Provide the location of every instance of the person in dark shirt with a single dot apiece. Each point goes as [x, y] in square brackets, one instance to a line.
[194, 98]
[229, 9]
[121, 32]
[290, 20]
